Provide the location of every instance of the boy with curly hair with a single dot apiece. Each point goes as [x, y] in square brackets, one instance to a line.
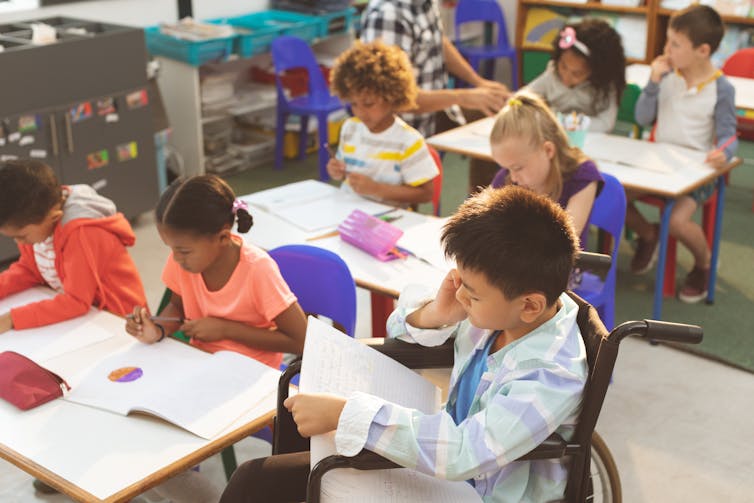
[379, 155]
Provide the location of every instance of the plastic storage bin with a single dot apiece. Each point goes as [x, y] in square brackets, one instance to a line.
[254, 35]
[284, 22]
[333, 23]
[195, 53]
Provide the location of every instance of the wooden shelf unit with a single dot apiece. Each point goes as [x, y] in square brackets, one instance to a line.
[656, 24]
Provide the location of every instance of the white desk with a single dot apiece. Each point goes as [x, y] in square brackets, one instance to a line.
[90, 454]
[638, 74]
[384, 278]
[658, 169]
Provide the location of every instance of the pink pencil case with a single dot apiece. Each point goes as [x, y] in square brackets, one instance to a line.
[376, 237]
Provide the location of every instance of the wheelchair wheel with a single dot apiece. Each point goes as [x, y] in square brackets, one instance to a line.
[605, 481]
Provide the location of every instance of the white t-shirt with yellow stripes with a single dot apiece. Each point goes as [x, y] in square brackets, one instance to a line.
[395, 156]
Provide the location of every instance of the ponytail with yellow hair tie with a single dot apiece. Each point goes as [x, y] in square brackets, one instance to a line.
[514, 102]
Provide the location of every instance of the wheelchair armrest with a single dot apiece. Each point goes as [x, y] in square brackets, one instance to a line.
[551, 448]
[364, 460]
[285, 436]
[595, 263]
[415, 356]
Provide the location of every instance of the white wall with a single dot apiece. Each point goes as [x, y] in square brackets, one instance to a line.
[139, 12]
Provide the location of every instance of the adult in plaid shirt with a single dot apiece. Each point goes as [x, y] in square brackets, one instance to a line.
[415, 27]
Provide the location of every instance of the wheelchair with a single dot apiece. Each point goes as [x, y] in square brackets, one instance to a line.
[592, 476]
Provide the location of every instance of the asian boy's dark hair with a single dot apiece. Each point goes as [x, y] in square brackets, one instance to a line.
[29, 189]
[200, 204]
[701, 24]
[522, 242]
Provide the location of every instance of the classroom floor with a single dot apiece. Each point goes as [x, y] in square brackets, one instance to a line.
[678, 425]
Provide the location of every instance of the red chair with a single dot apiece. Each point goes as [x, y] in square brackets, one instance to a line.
[382, 305]
[741, 64]
[436, 182]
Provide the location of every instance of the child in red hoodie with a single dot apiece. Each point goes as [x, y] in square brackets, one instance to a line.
[72, 240]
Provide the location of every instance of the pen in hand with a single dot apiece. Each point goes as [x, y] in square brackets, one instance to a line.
[166, 319]
[726, 143]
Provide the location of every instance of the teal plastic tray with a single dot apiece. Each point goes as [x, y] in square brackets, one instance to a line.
[195, 53]
[254, 36]
[336, 22]
[286, 23]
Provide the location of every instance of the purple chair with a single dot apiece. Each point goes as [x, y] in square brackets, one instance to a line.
[486, 11]
[289, 53]
[608, 214]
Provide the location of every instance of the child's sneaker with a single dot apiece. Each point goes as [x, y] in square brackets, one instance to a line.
[646, 253]
[695, 286]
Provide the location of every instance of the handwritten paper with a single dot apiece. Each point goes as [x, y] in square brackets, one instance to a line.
[335, 363]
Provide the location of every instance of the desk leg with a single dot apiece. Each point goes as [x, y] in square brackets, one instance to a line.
[663, 253]
[382, 306]
[716, 239]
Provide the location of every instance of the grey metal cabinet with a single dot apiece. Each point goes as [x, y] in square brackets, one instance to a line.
[81, 105]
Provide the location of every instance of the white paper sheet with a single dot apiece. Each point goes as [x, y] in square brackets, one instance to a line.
[292, 194]
[200, 392]
[43, 343]
[423, 241]
[660, 157]
[335, 363]
[329, 212]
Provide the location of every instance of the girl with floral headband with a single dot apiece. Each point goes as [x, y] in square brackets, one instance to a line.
[226, 294]
[530, 145]
[586, 74]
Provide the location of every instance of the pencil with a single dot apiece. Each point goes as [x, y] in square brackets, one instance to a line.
[174, 319]
[323, 236]
[726, 143]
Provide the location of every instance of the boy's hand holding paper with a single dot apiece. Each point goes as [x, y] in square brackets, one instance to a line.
[315, 413]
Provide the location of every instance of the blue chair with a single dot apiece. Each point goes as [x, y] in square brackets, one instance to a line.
[608, 214]
[321, 281]
[324, 286]
[289, 53]
[486, 11]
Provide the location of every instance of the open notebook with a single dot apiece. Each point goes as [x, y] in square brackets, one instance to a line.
[200, 392]
[335, 363]
[311, 205]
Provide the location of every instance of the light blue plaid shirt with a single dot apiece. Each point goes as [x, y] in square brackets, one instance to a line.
[532, 388]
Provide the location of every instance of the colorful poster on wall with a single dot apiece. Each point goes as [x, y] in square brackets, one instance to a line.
[137, 99]
[98, 159]
[106, 106]
[28, 123]
[81, 112]
[127, 151]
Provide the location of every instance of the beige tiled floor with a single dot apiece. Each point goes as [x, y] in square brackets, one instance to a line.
[680, 427]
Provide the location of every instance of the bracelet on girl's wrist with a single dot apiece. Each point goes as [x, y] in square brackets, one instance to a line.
[162, 332]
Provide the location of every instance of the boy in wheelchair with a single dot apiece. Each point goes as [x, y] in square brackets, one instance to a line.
[519, 369]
